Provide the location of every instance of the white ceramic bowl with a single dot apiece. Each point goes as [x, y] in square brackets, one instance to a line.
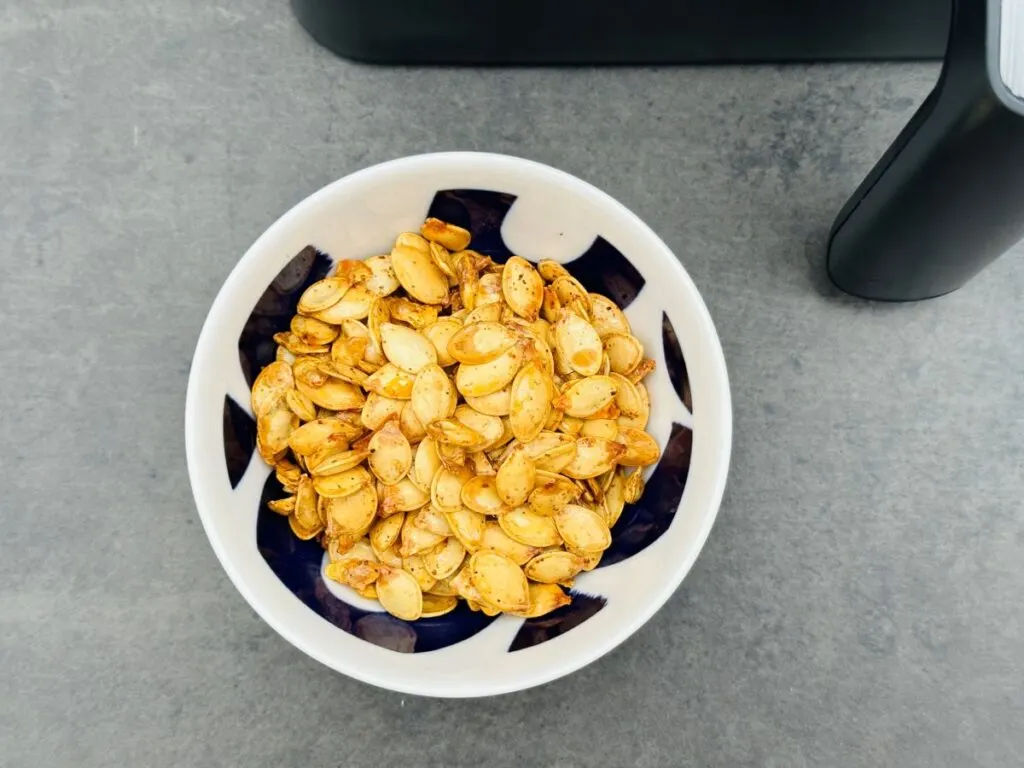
[513, 205]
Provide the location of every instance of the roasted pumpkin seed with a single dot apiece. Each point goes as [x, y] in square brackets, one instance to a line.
[433, 395]
[403, 496]
[399, 593]
[419, 275]
[583, 529]
[529, 402]
[554, 567]
[495, 538]
[478, 343]
[480, 494]
[444, 559]
[522, 287]
[529, 528]
[390, 456]
[450, 236]
[516, 477]
[406, 348]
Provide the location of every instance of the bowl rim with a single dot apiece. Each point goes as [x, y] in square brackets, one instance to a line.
[712, 362]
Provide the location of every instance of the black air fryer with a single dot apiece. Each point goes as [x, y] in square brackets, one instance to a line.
[947, 197]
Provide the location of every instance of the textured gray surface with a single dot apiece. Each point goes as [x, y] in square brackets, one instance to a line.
[858, 602]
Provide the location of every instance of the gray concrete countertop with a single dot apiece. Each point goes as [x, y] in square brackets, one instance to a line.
[859, 600]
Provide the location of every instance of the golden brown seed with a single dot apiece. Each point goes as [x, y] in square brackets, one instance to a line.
[322, 294]
[495, 404]
[554, 567]
[272, 384]
[419, 316]
[615, 498]
[354, 305]
[390, 456]
[583, 529]
[300, 405]
[419, 275]
[578, 343]
[606, 317]
[383, 281]
[426, 463]
[594, 456]
[358, 574]
[416, 539]
[297, 346]
[445, 559]
[334, 394]
[641, 449]
[454, 432]
[499, 581]
[313, 332]
[282, 506]
[571, 293]
[443, 260]
[430, 519]
[585, 397]
[481, 342]
[522, 287]
[495, 538]
[403, 496]
[273, 431]
[467, 526]
[433, 395]
[516, 477]
[412, 240]
[334, 463]
[440, 335]
[490, 428]
[406, 348]
[342, 483]
[378, 409]
[390, 381]
[304, 534]
[607, 429]
[551, 270]
[435, 605]
[633, 488]
[446, 488]
[544, 598]
[399, 593]
[335, 370]
[645, 367]
[468, 279]
[480, 464]
[480, 494]
[552, 493]
[624, 352]
[385, 532]
[529, 402]
[450, 236]
[410, 425]
[487, 313]
[349, 350]
[488, 292]
[551, 307]
[529, 528]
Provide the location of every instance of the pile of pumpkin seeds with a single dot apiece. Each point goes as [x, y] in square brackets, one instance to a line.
[451, 428]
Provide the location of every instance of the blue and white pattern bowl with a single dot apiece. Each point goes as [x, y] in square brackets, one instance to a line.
[511, 206]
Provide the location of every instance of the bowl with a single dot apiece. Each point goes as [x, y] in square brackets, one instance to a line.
[511, 206]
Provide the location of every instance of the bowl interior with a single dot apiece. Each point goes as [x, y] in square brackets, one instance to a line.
[510, 206]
